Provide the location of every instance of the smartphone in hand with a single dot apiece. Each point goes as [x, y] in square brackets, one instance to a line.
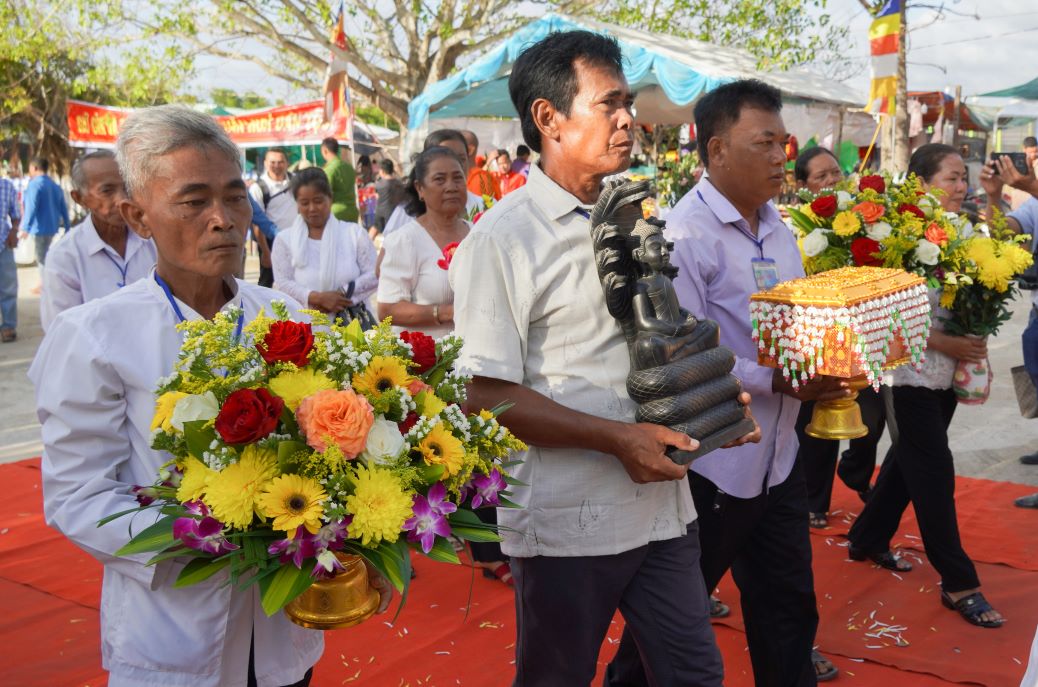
[1019, 161]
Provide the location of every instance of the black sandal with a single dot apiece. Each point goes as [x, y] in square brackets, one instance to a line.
[971, 608]
[719, 609]
[826, 675]
[884, 560]
[818, 521]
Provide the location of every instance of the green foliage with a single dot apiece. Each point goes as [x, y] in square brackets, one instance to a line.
[56, 51]
[780, 33]
[675, 179]
[225, 97]
[375, 115]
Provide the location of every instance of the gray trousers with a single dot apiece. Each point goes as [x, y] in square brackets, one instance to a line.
[564, 607]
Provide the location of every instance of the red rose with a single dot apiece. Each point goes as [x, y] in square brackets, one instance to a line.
[408, 422]
[248, 415]
[448, 255]
[873, 181]
[423, 349]
[287, 342]
[864, 251]
[824, 206]
[908, 207]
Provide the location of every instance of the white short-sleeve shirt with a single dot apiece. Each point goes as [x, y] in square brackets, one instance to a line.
[530, 306]
[410, 272]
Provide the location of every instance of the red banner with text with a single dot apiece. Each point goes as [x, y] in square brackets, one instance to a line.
[97, 126]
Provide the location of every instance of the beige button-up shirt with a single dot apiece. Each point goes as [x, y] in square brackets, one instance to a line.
[529, 304]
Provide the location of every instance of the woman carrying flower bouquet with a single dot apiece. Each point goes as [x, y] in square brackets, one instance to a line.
[96, 404]
[817, 169]
[321, 261]
[919, 468]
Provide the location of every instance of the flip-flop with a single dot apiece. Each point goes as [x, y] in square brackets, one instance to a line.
[884, 560]
[502, 572]
[971, 608]
[8, 335]
[719, 609]
[826, 675]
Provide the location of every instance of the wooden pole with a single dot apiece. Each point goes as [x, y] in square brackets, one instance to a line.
[901, 146]
[956, 114]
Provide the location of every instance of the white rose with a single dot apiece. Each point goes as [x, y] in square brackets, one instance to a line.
[815, 242]
[877, 231]
[926, 204]
[844, 200]
[927, 253]
[384, 441]
[194, 407]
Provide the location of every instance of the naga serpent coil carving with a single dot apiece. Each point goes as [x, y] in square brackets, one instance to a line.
[680, 376]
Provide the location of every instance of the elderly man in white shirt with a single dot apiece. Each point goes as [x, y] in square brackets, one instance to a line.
[96, 398]
[606, 520]
[100, 255]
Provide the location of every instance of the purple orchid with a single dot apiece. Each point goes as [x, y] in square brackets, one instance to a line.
[429, 517]
[328, 565]
[333, 535]
[484, 488]
[297, 549]
[145, 495]
[196, 508]
[202, 535]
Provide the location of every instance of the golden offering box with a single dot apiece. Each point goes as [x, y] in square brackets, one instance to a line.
[852, 322]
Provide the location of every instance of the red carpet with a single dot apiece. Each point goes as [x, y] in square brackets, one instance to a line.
[49, 620]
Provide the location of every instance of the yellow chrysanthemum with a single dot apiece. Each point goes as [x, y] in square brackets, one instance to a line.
[164, 406]
[846, 223]
[997, 263]
[440, 447]
[379, 506]
[232, 493]
[382, 374]
[196, 477]
[806, 210]
[429, 404]
[293, 501]
[293, 387]
[948, 296]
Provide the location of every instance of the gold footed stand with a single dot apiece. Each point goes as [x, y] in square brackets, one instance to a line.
[342, 601]
[840, 419]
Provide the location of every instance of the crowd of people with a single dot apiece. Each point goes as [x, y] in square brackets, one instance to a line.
[606, 521]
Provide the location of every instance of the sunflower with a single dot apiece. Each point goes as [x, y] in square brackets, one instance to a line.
[232, 492]
[440, 447]
[292, 501]
[193, 483]
[382, 374]
[379, 506]
[294, 386]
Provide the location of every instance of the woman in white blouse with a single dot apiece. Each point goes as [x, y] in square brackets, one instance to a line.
[919, 468]
[413, 287]
[323, 262]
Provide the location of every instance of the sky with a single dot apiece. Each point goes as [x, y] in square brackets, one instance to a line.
[980, 45]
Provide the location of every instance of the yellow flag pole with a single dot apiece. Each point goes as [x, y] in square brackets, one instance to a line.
[872, 144]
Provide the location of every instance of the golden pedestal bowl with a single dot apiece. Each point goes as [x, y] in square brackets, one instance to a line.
[341, 601]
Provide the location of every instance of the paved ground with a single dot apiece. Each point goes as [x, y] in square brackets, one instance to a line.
[987, 440]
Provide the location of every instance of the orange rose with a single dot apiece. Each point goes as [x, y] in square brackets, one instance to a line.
[340, 418]
[869, 211]
[935, 235]
[417, 386]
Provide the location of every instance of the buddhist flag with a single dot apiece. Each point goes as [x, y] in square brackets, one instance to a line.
[883, 42]
[337, 103]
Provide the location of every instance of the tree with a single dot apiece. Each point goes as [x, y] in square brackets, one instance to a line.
[55, 51]
[225, 97]
[780, 33]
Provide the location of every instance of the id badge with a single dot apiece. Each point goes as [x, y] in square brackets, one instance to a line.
[765, 273]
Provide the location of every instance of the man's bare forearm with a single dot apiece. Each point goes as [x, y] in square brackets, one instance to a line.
[540, 421]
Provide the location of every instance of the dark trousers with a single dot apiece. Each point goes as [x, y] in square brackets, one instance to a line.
[564, 607]
[765, 541]
[266, 274]
[919, 468]
[856, 464]
[487, 551]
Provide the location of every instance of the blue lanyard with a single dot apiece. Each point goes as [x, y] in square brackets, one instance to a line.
[582, 212]
[180, 315]
[756, 241]
[122, 268]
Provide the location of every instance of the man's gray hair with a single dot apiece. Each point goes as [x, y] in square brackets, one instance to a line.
[148, 134]
[79, 177]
